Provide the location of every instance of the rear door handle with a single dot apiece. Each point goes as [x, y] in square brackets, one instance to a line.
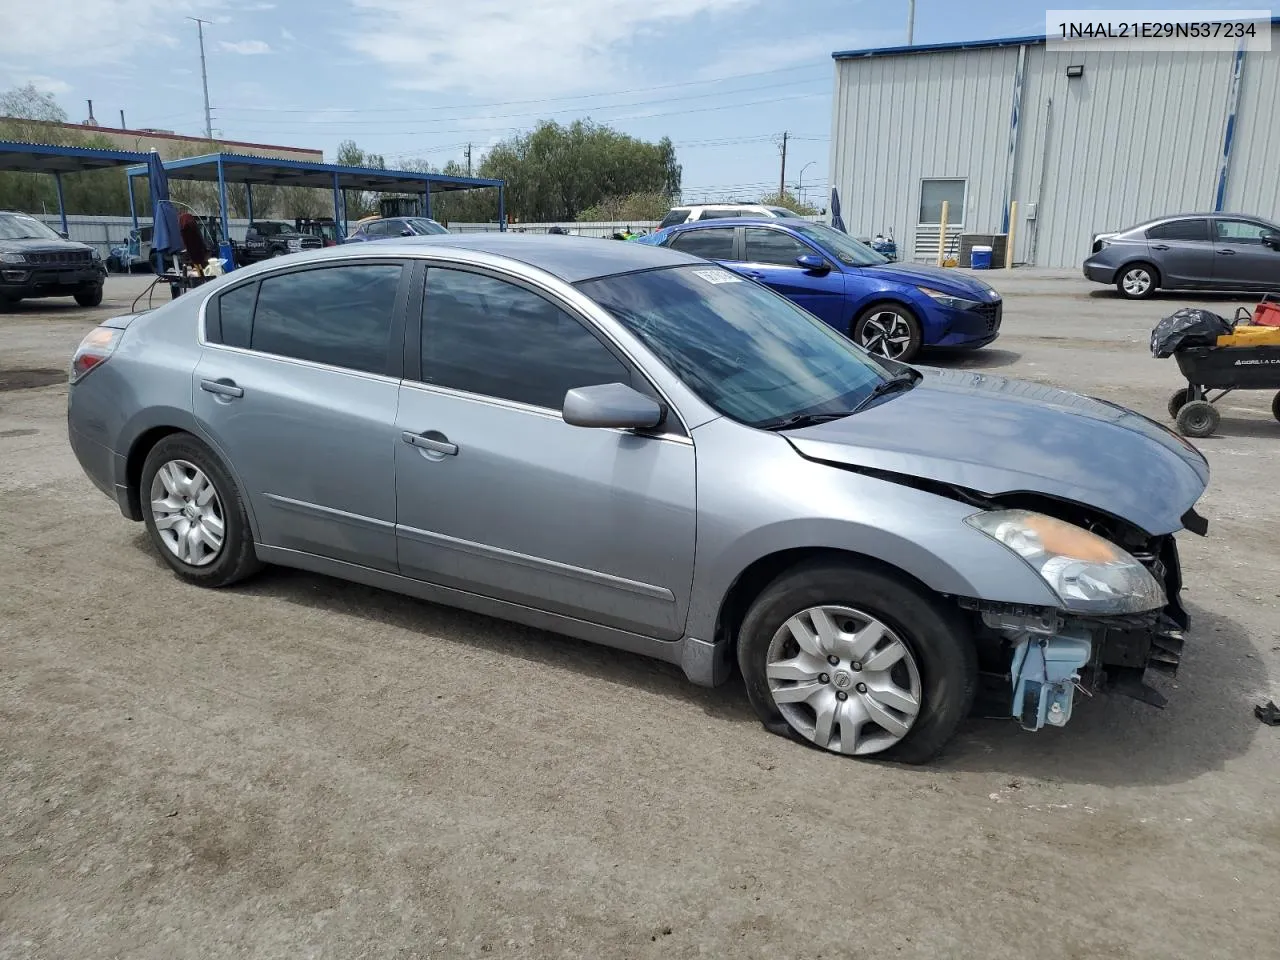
[222, 388]
[1227, 253]
[431, 444]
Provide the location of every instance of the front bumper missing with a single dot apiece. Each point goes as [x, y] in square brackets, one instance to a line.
[1037, 658]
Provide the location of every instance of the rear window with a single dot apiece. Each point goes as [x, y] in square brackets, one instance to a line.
[723, 214]
[677, 216]
[714, 244]
[1192, 229]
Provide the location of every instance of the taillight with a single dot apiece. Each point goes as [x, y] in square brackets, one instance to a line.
[93, 351]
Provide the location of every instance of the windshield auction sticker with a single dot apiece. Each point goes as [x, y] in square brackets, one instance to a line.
[718, 276]
[1227, 31]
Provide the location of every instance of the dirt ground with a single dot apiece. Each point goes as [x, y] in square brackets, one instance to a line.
[301, 767]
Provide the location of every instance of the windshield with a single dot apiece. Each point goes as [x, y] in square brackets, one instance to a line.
[426, 228]
[840, 245]
[746, 351]
[17, 227]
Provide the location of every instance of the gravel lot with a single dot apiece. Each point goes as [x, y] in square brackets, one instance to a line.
[300, 767]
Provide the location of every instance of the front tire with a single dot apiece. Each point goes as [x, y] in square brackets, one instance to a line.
[857, 661]
[1199, 418]
[89, 298]
[888, 330]
[1138, 281]
[195, 515]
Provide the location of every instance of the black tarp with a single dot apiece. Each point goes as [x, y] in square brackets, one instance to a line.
[1188, 327]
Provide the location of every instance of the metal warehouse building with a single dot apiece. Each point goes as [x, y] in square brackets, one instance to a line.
[1118, 138]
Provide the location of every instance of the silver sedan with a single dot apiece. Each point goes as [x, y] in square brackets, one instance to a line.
[639, 448]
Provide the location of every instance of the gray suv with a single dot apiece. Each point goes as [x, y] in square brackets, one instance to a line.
[1195, 251]
[641, 449]
[36, 261]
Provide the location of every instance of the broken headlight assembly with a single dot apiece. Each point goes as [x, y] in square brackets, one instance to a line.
[1090, 575]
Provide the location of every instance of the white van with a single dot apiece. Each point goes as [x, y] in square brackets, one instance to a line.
[722, 211]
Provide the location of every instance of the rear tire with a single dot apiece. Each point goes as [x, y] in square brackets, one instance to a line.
[888, 330]
[1138, 281]
[1275, 406]
[935, 671]
[1199, 418]
[1178, 401]
[183, 517]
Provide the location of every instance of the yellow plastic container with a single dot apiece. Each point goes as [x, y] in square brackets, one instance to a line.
[1247, 335]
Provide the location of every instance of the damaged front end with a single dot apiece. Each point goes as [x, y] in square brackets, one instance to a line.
[1034, 659]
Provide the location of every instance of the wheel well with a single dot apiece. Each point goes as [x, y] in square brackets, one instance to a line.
[753, 580]
[883, 302]
[1155, 271]
[133, 465]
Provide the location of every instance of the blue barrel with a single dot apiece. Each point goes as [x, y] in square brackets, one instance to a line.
[980, 258]
[227, 254]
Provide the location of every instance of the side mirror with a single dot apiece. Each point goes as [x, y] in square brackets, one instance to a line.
[1272, 240]
[64, 235]
[813, 263]
[611, 405]
[406, 232]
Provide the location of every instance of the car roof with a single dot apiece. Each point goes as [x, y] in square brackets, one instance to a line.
[725, 206]
[739, 222]
[571, 259]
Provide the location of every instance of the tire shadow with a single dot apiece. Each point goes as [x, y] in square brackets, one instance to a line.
[984, 358]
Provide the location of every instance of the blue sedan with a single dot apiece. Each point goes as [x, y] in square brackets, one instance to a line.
[891, 309]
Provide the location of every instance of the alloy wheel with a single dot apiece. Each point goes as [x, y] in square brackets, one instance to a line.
[1137, 281]
[187, 513]
[844, 680]
[886, 333]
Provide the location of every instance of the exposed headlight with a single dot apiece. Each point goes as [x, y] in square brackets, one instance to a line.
[947, 300]
[12, 258]
[1089, 574]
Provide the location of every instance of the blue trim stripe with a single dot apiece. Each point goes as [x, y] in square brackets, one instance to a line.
[1228, 137]
[961, 45]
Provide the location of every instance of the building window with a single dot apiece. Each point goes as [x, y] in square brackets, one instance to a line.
[933, 192]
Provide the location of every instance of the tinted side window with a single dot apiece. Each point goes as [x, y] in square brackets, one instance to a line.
[1240, 231]
[235, 311]
[496, 339]
[716, 244]
[719, 214]
[1197, 229]
[673, 218]
[773, 246]
[335, 315]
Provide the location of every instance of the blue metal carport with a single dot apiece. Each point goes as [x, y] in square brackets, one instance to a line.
[224, 168]
[57, 160]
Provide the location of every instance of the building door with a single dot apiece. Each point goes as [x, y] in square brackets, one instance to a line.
[933, 191]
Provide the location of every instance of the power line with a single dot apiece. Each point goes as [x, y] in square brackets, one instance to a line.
[513, 103]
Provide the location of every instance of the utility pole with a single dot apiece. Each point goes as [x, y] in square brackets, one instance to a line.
[911, 21]
[782, 176]
[468, 159]
[204, 79]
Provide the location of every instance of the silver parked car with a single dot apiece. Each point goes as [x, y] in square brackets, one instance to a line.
[1194, 251]
[639, 448]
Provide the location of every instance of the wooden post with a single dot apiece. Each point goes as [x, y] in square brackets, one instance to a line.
[942, 233]
[1012, 235]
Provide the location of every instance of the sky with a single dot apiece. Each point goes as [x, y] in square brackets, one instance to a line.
[420, 79]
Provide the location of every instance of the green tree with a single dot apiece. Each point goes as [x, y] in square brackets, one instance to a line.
[555, 172]
[360, 203]
[636, 206]
[791, 202]
[29, 103]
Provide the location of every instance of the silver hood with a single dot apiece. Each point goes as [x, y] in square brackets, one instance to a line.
[998, 436]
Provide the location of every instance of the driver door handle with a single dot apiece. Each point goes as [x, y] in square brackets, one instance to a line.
[1159, 246]
[1227, 253]
[222, 388]
[430, 444]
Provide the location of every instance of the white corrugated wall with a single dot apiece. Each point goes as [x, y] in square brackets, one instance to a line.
[1138, 135]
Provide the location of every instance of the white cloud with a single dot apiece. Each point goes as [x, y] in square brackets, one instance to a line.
[286, 35]
[539, 47]
[760, 56]
[45, 84]
[112, 25]
[245, 47]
